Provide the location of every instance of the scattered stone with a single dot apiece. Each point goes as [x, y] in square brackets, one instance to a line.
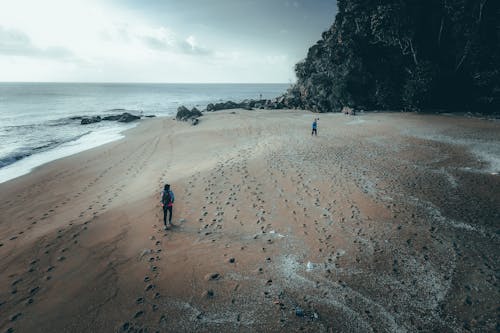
[299, 312]
[208, 293]
[231, 260]
[138, 314]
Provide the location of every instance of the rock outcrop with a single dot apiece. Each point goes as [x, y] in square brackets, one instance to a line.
[90, 120]
[184, 114]
[123, 118]
[404, 55]
[127, 118]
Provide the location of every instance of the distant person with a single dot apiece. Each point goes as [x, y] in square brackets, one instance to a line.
[315, 127]
[167, 201]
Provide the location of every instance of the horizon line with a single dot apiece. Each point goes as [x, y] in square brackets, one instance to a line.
[141, 82]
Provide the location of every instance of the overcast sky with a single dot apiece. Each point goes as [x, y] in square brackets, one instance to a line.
[158, 40]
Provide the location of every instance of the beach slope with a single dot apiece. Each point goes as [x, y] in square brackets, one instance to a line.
[383, 222]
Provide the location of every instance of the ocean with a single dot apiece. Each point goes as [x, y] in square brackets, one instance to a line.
[37, 122]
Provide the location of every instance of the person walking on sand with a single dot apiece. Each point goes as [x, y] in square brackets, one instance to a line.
[167, 201]
[315, 127]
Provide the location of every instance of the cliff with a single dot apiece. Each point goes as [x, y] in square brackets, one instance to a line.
[406, 54]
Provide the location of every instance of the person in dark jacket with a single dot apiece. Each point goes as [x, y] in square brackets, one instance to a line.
[167, 201]
[315, 127]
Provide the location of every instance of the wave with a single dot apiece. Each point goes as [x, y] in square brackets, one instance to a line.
[24, 152]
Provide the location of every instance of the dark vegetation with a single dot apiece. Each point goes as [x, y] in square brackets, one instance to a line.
[404, 54]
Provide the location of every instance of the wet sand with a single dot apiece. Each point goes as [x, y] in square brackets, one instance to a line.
[385, 222]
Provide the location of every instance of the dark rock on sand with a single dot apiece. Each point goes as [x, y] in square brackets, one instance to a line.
[184, 114]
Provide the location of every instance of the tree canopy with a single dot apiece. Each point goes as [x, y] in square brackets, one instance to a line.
[405, 54]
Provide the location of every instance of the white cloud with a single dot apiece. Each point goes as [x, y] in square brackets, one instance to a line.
[17, 43]
[88, 40]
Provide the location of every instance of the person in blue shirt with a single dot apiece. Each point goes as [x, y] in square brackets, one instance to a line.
[167, 201]
[315, 127]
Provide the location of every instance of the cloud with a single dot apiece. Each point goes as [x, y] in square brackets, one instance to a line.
[17, 43]
[295, 4]
[163, 39]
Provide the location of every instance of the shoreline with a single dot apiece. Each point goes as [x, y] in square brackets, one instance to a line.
[83, 143]
[28, 164]
[375, 224]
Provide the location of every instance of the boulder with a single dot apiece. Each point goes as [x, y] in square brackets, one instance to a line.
[127, 117]
[184, 114]
[91, 120]
[112, 118]
[210, 107]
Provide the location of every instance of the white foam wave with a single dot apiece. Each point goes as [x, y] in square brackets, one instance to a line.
[89, 141]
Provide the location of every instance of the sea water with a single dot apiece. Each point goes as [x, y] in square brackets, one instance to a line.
[39, 121]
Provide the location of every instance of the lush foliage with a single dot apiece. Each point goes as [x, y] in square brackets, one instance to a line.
[405, 54]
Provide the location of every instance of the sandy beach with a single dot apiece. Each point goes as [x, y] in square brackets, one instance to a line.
[384, 222]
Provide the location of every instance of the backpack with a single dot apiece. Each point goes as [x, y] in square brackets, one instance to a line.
[166, 198]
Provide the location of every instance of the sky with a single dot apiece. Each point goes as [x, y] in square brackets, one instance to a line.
[188, 41]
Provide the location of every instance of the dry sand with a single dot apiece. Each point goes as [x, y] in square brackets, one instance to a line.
[384, 222]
